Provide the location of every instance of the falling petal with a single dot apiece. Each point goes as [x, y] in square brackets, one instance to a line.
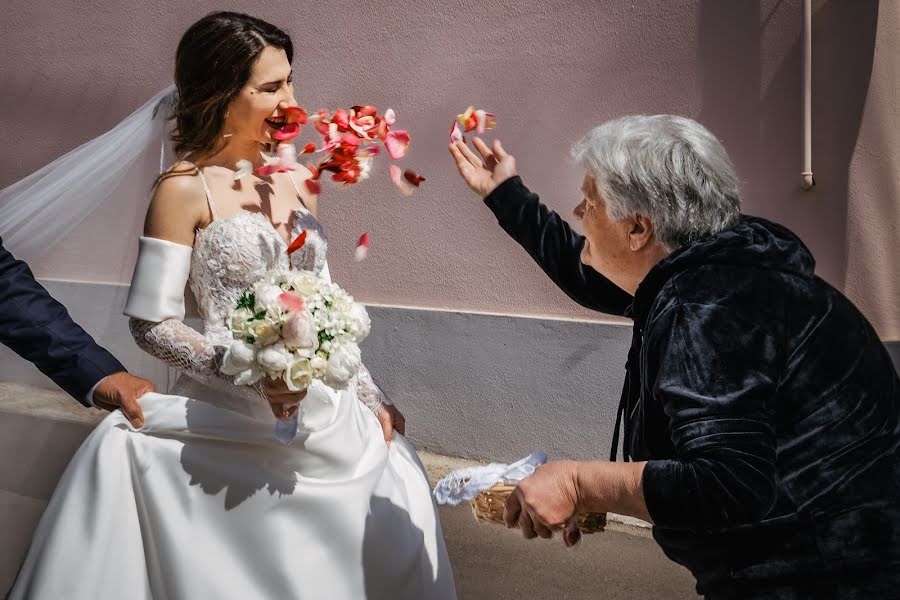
[456, 135]
[244, 168]
[341, 118]
[362, 248]
[390, 117]
[480, 120]
[267, 170]
[287, 155]
[396, 143]
[288, 132]
[295, 114]
[397, 178]
[313, 186]
[298, 242]
[413, 177]
[309, 149]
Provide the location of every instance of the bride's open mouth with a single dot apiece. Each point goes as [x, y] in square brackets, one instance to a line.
[276, 122]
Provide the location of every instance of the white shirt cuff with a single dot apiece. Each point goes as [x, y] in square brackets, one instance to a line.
[90, 394]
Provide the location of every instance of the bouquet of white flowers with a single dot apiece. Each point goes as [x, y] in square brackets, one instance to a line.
[297, 327]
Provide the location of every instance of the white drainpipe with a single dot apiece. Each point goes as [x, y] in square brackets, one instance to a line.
[806, 176]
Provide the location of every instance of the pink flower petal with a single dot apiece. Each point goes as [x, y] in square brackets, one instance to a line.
[362, 248]
[456, 135]
[267, 170]
[396, 143]
[341, 118]
[287, 133]
[397, 178]
[291, 301]
[295, 114]
[390, 117]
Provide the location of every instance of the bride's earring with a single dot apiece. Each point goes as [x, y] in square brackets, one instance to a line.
[227, 135]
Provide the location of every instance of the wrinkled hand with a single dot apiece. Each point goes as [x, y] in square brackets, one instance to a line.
[121, 390]
[283, 402]
[544, 502]
[483, 176]
[391, 420]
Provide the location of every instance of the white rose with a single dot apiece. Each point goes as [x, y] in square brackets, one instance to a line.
[343, 364]
[306, 283]
[318, 366]
[298, 375]
[238, 323]
[300, 332]
[239, 357]
[266, 296]
[359, 322]
[274, 358]
[248, 376]
[264, 332]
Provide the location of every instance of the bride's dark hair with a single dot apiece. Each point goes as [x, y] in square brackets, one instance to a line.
[212, 64]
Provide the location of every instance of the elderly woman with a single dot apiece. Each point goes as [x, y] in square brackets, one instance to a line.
[759, 407]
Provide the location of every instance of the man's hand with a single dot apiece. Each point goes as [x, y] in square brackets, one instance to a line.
[544, 502]
[391, 420]
[483, 176]
[121, 390]
[283, 402]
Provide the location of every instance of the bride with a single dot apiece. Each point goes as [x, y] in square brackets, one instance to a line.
[203, 501]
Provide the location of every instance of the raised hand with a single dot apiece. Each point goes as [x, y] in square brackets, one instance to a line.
[283, 402]
[483, 174]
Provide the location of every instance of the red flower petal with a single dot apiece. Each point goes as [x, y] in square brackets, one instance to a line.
[313, 187]
[288, 132]
[295, 114]
[398, 181]
[396, 143]
[362, 248]
[341, 118]
[309, 149]
[413, 177]
[267, 170]
[298, 241]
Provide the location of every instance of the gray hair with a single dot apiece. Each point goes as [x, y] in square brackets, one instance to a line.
[668, 168]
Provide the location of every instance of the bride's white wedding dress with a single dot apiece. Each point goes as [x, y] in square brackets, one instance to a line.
[204, 503]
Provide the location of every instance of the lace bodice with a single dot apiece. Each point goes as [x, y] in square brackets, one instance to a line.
[231, 254]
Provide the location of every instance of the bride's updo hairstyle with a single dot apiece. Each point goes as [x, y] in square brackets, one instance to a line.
[212, 64]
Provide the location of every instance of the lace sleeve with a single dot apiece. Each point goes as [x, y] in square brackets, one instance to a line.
[368, 391]
[190, 352]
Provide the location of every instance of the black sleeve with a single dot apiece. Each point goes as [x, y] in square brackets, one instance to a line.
[715, 372]
[554, 246]
[40, 330]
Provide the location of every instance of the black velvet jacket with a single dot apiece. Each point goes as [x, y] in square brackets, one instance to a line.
[765, 404]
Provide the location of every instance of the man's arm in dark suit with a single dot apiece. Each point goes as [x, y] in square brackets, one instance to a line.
[554, 246]
[40, 330]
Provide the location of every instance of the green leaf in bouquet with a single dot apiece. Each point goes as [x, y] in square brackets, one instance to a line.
[247, 300]
[250, 339]
[258, 316]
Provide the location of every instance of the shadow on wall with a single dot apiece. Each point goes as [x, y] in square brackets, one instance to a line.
[758, 115]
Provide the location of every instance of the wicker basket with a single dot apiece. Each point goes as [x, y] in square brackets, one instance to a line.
[488, 506]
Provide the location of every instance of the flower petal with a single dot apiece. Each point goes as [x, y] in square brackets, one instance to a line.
[309, 149]
[298, 241]
[288, 132]
[362, 248]
[291, 300]
[396, 143]
[313, 187]
[413, 177]
[268, 170]
[456, 135]
[397, 178]
[244, 168]
[295, 114]
[390, 117]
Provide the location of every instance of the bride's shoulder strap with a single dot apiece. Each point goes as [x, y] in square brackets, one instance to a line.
[212, 205]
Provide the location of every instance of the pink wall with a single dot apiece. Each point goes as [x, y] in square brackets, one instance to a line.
[550, 70]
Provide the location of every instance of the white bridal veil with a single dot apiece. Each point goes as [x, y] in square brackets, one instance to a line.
[115, 170]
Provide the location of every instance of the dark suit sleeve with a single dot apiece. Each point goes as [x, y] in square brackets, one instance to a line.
[554, 246]
[40, 330]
